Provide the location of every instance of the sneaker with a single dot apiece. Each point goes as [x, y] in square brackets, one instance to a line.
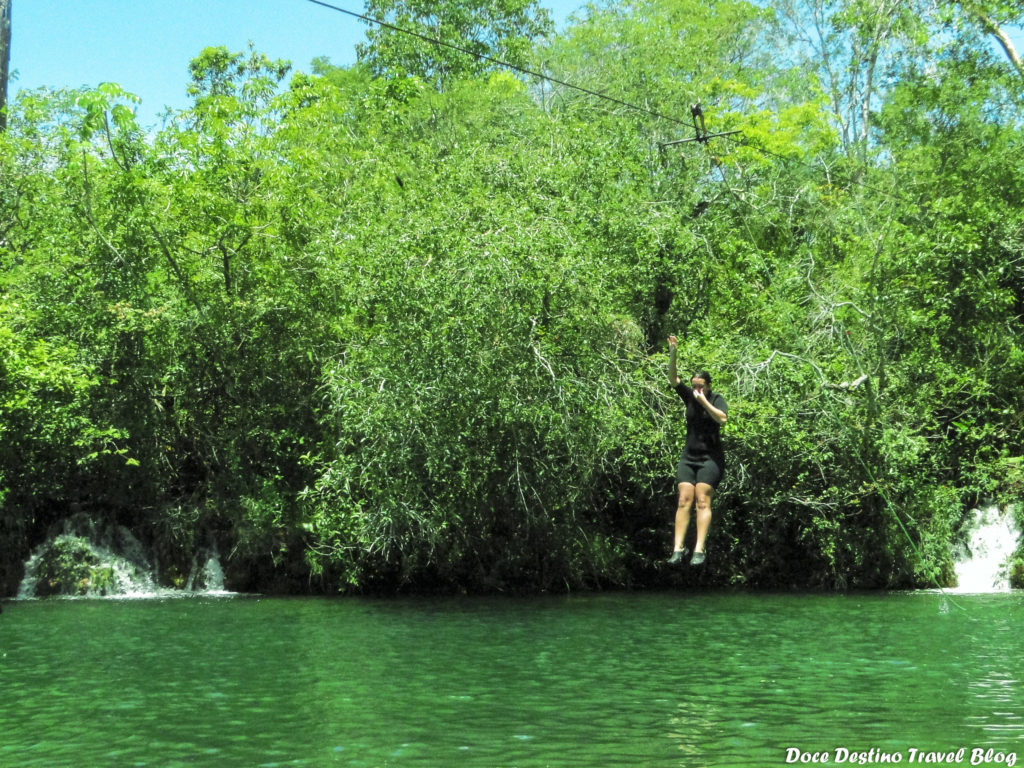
[679, 556]
[697, 559]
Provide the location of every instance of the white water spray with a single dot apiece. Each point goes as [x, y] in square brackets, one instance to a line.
[206, 574]
[983, 564]
[86, 559]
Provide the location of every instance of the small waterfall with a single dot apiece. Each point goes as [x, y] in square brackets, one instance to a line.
[208, 577]
[87, 559]
[213, 574]
[983, 563]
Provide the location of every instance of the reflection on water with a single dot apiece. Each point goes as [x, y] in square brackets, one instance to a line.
[607, 680]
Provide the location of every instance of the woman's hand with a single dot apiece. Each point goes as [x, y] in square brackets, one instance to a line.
[702, 398]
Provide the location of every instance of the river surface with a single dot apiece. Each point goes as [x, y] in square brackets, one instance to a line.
[665, 679]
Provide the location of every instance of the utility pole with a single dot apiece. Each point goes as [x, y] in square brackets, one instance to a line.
[5, 58]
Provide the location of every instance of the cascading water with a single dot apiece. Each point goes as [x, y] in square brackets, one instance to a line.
[983, 562]
[86, 559]
[207, 577]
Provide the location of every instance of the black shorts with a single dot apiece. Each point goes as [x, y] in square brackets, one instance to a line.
[693, 471]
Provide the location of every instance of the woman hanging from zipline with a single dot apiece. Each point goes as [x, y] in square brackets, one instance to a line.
[703, 462]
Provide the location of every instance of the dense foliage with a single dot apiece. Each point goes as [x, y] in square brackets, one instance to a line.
[382, 327]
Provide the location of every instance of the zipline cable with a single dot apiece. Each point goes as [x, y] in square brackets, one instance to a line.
[582, 89]
[499, 62]
[556, 81]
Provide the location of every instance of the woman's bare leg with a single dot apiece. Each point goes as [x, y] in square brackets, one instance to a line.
[704, 493]
[686, 494]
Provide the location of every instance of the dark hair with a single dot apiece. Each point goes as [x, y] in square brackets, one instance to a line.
[702, 375]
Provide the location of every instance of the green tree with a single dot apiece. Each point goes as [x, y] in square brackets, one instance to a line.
[468, 30]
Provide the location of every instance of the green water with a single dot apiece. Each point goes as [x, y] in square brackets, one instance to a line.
[668, 679]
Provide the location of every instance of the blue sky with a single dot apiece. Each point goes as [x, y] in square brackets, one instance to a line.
[145, 45]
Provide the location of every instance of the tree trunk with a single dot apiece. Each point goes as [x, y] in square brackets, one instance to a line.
[1004, 40]
[5, 58]
[992, 28]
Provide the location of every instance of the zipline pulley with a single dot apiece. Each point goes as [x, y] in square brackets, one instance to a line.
[700, 131]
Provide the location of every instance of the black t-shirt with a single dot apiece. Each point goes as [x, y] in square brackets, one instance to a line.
[703, 433]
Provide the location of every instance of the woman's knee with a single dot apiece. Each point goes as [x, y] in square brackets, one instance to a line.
[686, 496]
[704, 494]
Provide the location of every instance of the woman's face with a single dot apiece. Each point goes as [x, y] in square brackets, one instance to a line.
[699, 385]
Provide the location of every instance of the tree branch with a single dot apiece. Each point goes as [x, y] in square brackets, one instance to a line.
[990, 27]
